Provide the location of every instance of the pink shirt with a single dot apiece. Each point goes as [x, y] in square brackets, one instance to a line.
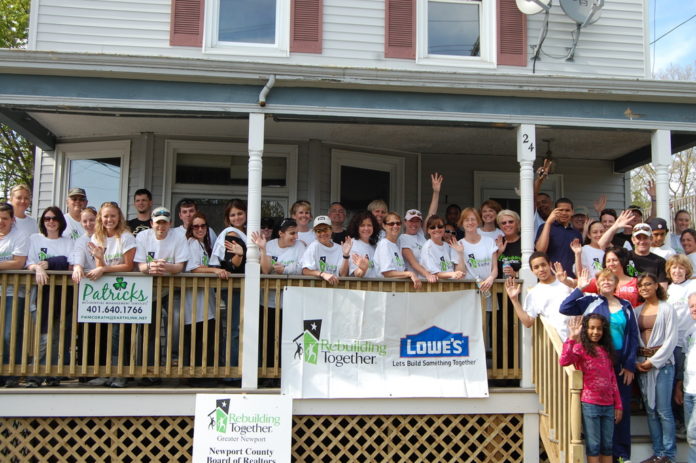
[599, 382]
[629, 291]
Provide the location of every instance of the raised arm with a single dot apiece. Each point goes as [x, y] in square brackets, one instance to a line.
[542, 242]
[436, 181]
[623, 220]
[513, 291]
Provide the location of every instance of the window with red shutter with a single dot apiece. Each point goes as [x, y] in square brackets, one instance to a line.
[512, 34]
[400, 29]
[186, 28]
[306, 26]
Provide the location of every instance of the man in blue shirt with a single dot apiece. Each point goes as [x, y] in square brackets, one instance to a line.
[555, 236]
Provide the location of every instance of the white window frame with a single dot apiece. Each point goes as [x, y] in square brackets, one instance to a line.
[66, 152]
[172, 147]
[488, 29]
[281, 47]
[392, 164]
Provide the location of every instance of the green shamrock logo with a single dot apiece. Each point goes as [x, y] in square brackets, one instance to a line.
[120, 284]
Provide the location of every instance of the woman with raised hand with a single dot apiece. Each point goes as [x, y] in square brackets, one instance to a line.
[655, 364]
[364, 230]
[20, 198]
[442, 258]
[389, 261]
[49, 250]
[324, 258]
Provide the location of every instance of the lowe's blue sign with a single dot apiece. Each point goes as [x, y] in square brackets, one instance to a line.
[434, 342]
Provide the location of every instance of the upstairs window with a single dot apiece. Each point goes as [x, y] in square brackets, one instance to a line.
[248, 27]
[452, 32]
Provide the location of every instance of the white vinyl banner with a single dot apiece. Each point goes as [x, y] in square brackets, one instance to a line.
[346, 343]
[241, 428]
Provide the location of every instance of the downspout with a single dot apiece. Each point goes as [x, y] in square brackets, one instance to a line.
[265, 90]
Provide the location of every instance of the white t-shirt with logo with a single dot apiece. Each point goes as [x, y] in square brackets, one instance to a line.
[74, 229]
[414, 243]
[42, 248]
[322, 258]
[545, 300]
[491, 234]
[81, 255]
[27, 226]
[478, 257]
[388, 257]
[199, 258]
[211, 233]
[438, 258]
[306, 237]
[364, 249]
[116, 247]
[289, 256]
[592, 259]
[173, 249]
[13, 244]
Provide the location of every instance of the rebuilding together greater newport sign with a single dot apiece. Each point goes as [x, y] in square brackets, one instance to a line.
[115, 299]
[348, 344]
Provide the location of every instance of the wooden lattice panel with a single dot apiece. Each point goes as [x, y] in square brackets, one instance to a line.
[396, 438]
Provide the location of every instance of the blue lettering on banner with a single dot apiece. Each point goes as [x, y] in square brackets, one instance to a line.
[434, 342]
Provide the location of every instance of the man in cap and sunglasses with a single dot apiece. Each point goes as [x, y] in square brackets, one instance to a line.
[76, 202]
[641, 260]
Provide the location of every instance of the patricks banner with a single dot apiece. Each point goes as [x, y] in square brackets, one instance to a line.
[242, 428]
[345, 344]
[115, 299]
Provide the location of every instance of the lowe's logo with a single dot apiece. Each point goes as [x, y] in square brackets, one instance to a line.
[434, 342]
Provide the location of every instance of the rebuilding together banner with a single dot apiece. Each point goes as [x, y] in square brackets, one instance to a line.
[346, 343]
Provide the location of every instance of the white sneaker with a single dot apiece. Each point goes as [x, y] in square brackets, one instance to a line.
[98, 381]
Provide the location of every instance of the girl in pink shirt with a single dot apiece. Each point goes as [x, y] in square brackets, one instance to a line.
[589, 349]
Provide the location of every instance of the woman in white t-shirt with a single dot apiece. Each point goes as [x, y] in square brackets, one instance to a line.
[389, 261]
[591, 255]
[480, 252]
[437, 256]
[324, 258]
[48, 250]
[411, 244]
[364, 230]
[20, 198]
[489, 215]
[688, 242]
[82, 257]
[301, 212]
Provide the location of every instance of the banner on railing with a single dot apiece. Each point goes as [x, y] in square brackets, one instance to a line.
[345, 343]
[242, 428]
[115, 299]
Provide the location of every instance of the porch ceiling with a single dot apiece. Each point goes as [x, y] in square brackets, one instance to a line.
[410, 137]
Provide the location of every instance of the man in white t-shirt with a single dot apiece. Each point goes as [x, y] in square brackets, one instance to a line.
[76, 202]
[659, 234]
[544, 299]
[160, 253]
[187, 209]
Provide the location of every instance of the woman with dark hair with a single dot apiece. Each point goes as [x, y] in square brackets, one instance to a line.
[49, 250]
[688, 243]
[440, 257]
[489, 213]
[230, 245]
[682, 221]
[616, 259]
[655, 364]
[591, 254]
[364, 229]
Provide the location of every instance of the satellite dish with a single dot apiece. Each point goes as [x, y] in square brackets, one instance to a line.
[583, 12]
[533, 6]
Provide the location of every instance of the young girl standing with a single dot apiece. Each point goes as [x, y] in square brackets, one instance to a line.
[589, 348]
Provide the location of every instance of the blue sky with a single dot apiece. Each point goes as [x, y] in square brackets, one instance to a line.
[678, 47]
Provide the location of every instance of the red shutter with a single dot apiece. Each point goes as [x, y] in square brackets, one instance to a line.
[400, 29]
[512, 34]
[186, 28]
[306, 26]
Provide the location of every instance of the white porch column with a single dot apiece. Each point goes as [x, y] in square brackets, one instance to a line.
[661, 143]
[252, 280]
[526, 154]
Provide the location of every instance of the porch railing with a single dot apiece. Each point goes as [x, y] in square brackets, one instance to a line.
[559, 391]
[204, 350]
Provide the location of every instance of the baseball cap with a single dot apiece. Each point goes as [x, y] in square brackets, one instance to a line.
[657, 223]
[642, 229]
[77, 192]
[413, 214]
[321, 220]
[160, 214]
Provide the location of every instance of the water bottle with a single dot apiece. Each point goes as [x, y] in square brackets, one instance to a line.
[486, 293]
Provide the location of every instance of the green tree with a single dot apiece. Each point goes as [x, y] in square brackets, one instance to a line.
[17, 153]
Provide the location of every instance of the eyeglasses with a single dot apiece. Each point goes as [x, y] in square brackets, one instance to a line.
[199, 226]
[433, 227]
[391, 224]
[507, 222]
[50, 218]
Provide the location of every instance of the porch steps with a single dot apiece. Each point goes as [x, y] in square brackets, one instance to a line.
[641, 447]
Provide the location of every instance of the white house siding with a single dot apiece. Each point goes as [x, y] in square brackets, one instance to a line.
[45, 181]
[353, 37]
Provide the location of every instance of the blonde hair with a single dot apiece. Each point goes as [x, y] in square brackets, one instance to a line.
[679, 259]
[508, 213]
[606, 273]
[377, 204]
[100, 234]
[20, 187]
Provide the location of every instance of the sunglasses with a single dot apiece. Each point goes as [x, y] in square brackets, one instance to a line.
[433, 227]
[199, 227]
[391, 224]
[507, 222]
[161, 213]
[450, 232]
[50, 218]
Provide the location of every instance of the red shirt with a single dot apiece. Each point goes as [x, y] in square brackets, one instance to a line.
[629, 291]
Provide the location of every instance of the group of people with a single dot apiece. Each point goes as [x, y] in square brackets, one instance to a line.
[623, 301]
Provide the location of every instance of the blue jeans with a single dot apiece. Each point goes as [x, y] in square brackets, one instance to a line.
[660, 418]
[598, 424]
[689, 403]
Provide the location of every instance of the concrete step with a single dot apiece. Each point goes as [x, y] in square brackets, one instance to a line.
[641, 447]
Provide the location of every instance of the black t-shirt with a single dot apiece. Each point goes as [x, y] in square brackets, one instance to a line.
[652, 263]
[339, 237]
[620, 239]
[136, 225]
[512, 254]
